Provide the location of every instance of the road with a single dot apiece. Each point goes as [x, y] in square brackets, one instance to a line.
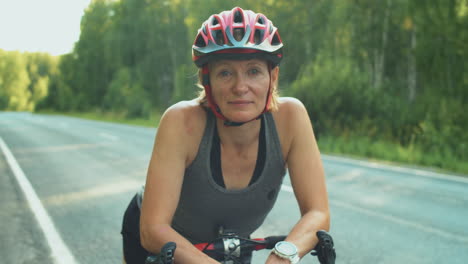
[82, 174]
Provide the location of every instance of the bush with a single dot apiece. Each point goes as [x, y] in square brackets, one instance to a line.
[334, 91]
[126, 95]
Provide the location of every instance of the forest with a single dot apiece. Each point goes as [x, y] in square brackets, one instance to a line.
[383, 79]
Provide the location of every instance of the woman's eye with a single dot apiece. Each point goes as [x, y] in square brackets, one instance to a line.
[254, 71]
[224, 73]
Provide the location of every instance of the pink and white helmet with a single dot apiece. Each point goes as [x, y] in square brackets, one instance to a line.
[237, 35]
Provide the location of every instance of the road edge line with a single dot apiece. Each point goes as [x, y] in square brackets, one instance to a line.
[397, 168]
[393, 219]
[60, 252]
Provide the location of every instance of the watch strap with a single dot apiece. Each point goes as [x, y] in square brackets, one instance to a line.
[293, 259]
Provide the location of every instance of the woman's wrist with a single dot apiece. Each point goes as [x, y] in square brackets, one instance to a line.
[275, 259]
[287, 250]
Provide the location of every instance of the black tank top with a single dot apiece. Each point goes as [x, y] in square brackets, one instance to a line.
[216, 170]
[204, 206]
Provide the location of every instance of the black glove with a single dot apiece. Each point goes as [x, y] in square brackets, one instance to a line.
[325, 250]
[165, 257]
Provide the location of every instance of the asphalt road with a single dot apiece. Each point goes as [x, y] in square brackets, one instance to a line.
[83, 173]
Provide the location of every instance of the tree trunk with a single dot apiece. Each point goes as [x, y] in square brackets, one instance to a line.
[379, 52]
[412, 72]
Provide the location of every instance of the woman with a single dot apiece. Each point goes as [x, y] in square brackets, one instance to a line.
[219, 160]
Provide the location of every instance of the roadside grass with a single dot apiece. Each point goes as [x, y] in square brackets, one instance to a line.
[389, 152]
[353, 147]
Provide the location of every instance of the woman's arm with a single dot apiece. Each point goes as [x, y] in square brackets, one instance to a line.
[163, 186]
[308, 181]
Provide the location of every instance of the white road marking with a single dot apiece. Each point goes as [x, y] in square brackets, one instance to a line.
[95, 192]
[415, 225]
[347, 177]
[400, 221]
[60, 148]
[423, 173]
[60, 252]
[287, 188]
[109, 136]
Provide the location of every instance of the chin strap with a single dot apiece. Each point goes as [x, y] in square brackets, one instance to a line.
[235, 124]
[215, 108]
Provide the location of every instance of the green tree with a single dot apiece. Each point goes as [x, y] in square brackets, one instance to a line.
[92, 69]
[389, 70]
[14, 82]
[126, 95]
[40, 67]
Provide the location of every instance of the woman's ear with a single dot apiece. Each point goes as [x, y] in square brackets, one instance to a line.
[274, 74]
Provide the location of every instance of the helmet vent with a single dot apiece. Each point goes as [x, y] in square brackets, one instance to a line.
[258, 36]
[218, 37]
[276, 39]
[238, 17]
[200, 42]
[215, 21]
[261, 21]
[239, 34]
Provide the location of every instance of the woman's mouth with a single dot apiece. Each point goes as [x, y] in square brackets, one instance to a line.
[240, 102]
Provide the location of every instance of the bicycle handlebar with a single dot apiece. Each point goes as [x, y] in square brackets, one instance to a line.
[232, 248]
[249, 244]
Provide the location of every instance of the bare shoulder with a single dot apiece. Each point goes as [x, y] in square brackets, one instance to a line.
[291, 105]
[290, 110]
[290, 118]
[182, 126]
[185, 113]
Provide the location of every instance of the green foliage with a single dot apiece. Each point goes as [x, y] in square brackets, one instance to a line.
[444, 129]
[387, 73]
[124, 95]
[40, 67]
[14, 82]
[362, 146]
[184, 83]
[24, 79]
[390, 74]
[331, 88]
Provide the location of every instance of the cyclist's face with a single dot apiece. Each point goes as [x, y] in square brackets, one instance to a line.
[240, 88]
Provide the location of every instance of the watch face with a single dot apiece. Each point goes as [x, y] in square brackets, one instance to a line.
[286, 248]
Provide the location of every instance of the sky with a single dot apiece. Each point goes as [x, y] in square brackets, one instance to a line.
[51, 26]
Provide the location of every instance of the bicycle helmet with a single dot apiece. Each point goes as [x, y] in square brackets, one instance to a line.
[237, 35]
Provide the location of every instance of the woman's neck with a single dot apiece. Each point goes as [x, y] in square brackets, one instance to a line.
[240, 137]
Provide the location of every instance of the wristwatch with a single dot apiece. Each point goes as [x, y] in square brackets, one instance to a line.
[287, 250]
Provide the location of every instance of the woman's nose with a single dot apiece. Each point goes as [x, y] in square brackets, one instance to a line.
[240, 85]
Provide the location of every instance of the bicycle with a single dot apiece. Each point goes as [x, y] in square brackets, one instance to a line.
[230, 248]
